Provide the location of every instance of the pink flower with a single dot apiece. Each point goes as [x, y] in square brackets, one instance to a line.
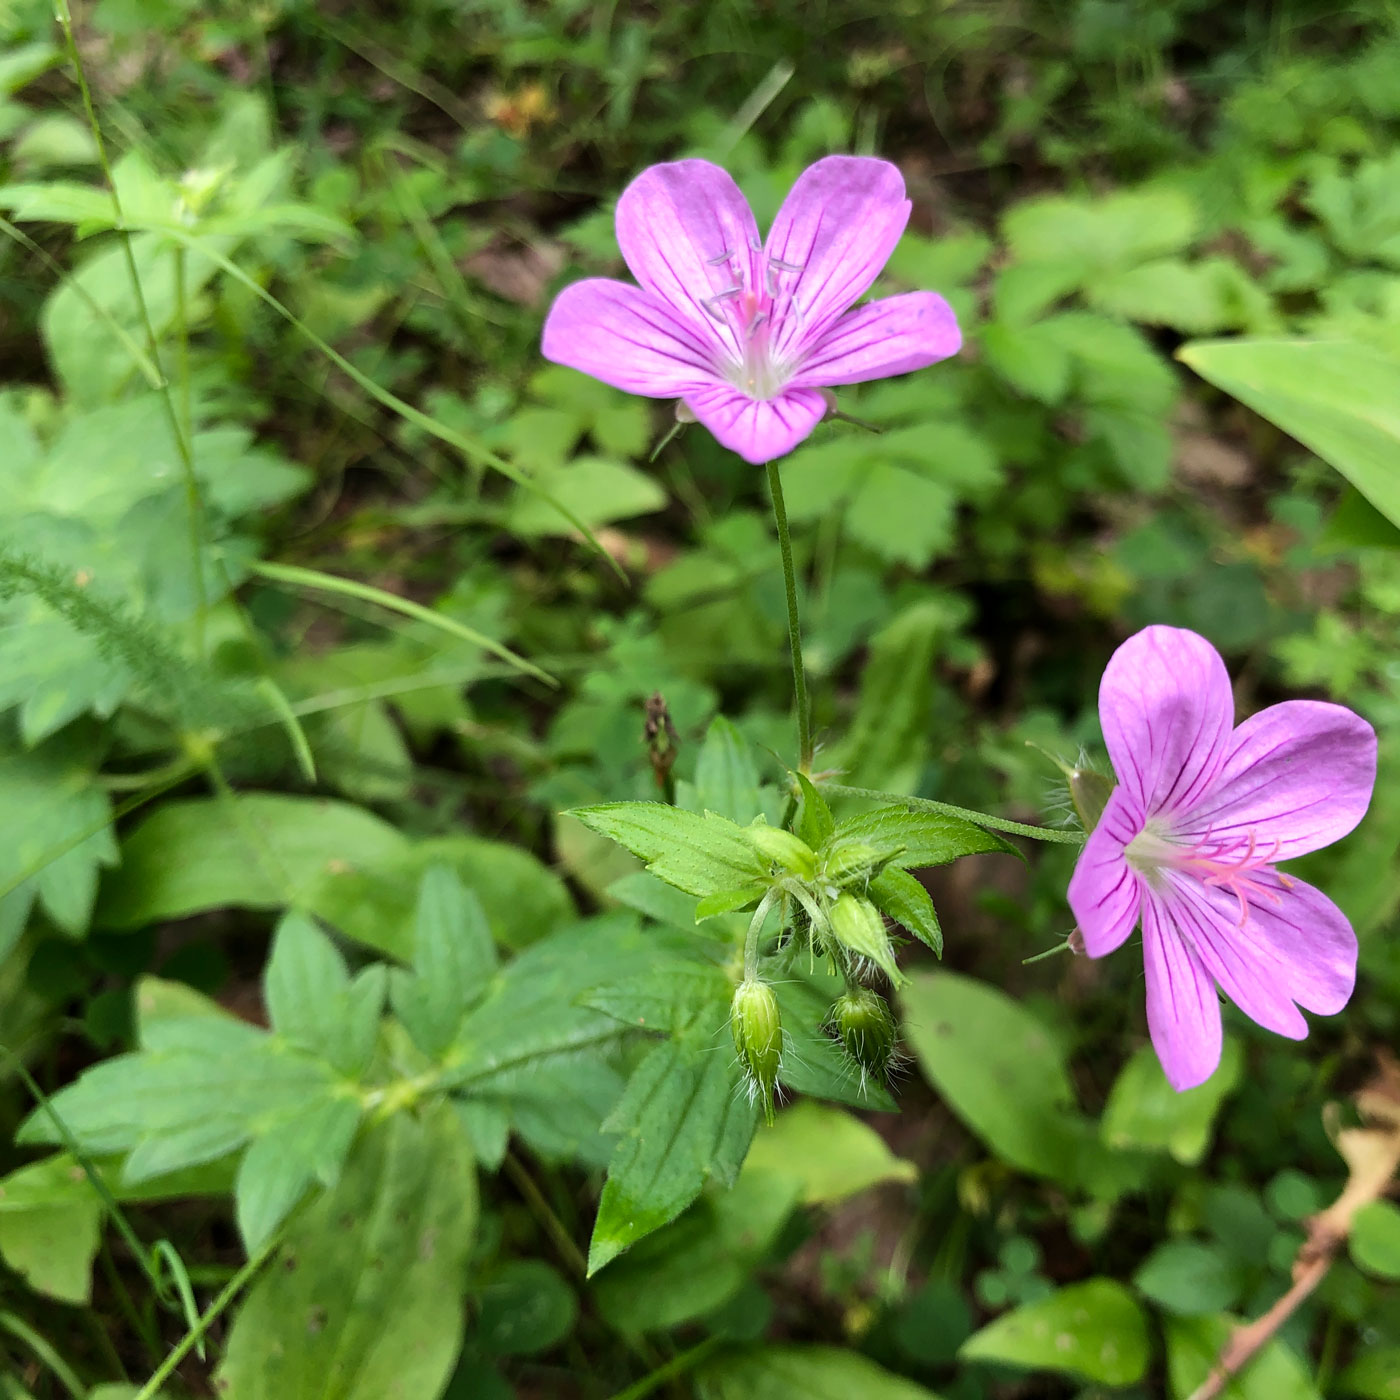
[1188, 841]
[748, 334]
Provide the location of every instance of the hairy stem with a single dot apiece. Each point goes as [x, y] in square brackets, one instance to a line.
[799, 676]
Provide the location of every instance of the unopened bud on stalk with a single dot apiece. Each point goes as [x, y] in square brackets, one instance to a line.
[781, 846]
[864, 1024]
[1089, 791]
[857, 925]
[758, 1037]
[849, 858]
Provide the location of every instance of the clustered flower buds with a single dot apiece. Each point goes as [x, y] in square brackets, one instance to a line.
[758, 1037]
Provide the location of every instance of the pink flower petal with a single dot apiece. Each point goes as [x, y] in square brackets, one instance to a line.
[684, 228]
[1104, 892]
[1295, 946]
[625, 337]
[1298, 777]
[1183, 1011]
[838, 227]
[1167, 712]
[886, 337]
[759, 430]
[1243, 963]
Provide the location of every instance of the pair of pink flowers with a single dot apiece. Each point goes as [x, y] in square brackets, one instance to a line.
[751, 336]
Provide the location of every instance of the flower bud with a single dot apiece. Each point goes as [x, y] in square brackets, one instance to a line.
[849, 858]
[1089, 791]
[789, 851]
[858, 926]
[862, 1021]
[758, 1037]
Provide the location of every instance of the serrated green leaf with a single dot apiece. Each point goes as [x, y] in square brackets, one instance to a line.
[303, 982]
[668, 998]
[698, 854]
[364, 1301]
[282, 1163]
[814, 824]
[898, 894]
[697, 1262]
[454, 957]
[927, 838]
[727, 901]
[1093, 1329]
[671, 1119]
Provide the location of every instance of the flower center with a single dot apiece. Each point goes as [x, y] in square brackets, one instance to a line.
[1231, 862]
[755, 301]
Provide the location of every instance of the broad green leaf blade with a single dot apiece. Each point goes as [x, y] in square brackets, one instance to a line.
[1094, 1329]
[1145, 1112]
[927, 838]
[1338, 397]
[827, 1153]
[364, 1301]
[525, 1308]
[699, 854]
[1375, 1239]
[667, 998]
[811, 1372]
[696, 1263]
[52, 1247]
[1190, 1278]
[997, 1067]
[672, 1119]
[1374, 1375]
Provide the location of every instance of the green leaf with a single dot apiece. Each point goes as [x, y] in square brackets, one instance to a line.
[304, 978]
[526, 1308]
[997, 1067]
[1093, 1329]
[1374, 1375]
[331, 859]
[1194, 1345]
[698, 1262]
[727, 901]
[812, 1062]
[812, 1372]
[453, 959]
[1339, 398]
[898, 894]
[888, 739]
[55, 830]
[281, 1164]
[726, 777]
[1190, 1278]
[1144, 1111]
[1374, 1240]
[927, 838]
[673, 1117]
[52, 1247]
[827, 1153]
[594, 490]
[667, 998]
[699, 854]
[815, 824]
[364, 1300]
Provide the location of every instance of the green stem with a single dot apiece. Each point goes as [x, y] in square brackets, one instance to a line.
[676, 1366]
[925, 804]
[182, 343]
[194, 501]
[18, 1327]
[751, 938]
[549, 1220]
[799, 676]
[183, 1347]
